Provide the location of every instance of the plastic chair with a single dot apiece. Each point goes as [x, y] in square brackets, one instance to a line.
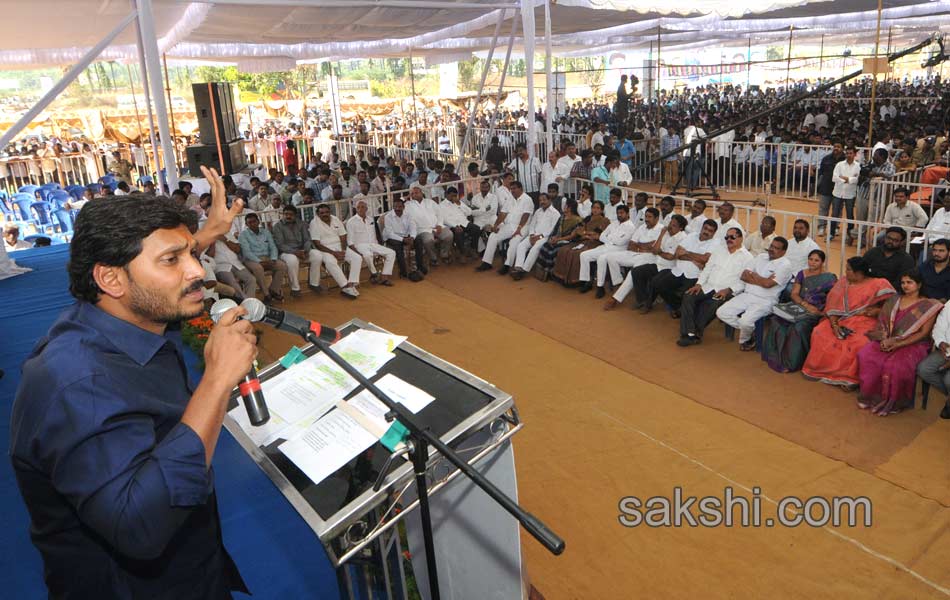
[28, 189]
[21, 203]
[43, 211]
[76, 191]
[110, 181]
[57, 198]
[145, 179]
[64, 218]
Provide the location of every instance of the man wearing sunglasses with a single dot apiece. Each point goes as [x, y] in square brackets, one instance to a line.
[764, 281]
[718, 282]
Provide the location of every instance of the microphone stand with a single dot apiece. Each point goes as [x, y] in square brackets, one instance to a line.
[420, 439]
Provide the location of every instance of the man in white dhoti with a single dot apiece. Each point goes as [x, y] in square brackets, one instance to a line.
[329, 237]
[541, 226]
[361, 237]
[615, 239]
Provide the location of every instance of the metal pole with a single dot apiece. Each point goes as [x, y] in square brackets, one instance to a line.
[821, 56]
[788, 63]
[63, 83]
[528, 27]
[152, 62]
[168, 92]
[478, 96]
[658, 46]
[890, 33]
[501, 86]
[748, 73]
[877, 42]
[143, 77]
[412, 81]
[135, 104]
[548, 114]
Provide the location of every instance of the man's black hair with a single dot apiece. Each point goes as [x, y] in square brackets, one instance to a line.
[110, 231]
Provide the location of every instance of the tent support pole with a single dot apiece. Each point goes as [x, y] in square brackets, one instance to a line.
[877, 45]
[135, 104]
[64, 82]
[527, 28]
[501, 86]
[548, 100]
[748, 72]
[168, 95]
[478, 96]
[143, 77]
[788, 60]
[821, 56]
[659, 42]
[153, 65]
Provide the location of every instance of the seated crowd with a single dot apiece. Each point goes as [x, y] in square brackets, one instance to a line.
[869, 331]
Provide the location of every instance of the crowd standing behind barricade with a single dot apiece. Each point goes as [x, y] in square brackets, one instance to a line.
[565, 217]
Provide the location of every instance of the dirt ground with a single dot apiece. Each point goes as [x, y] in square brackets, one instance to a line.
[614, 408]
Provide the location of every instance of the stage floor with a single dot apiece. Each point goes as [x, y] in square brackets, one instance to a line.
[614, 408]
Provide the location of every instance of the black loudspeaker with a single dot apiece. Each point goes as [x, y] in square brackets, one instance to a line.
[214, 104]
[207, 155]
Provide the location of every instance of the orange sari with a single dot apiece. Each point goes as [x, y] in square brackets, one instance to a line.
[835, 361]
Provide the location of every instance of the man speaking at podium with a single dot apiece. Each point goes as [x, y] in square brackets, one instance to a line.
[110, 443]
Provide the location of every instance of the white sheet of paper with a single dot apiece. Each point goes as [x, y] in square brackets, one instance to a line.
[309, 388]
[372, 409]
[404, 393]
[331, 442]
[386, 342]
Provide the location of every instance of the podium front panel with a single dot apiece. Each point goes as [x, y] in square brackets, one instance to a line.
[463, 405]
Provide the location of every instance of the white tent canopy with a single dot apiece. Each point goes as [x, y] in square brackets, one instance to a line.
[270, 35]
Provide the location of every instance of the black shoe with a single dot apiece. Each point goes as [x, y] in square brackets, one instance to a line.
[688, 340]
[483, 267]
[945, 413]
[586, 287]
[600, 292]
[504, 270]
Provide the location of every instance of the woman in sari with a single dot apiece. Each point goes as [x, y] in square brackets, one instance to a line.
[567, 265]
[568, 231]
[785, 344]
[851, 309]
[887, 365]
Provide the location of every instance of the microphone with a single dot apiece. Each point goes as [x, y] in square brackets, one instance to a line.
[250, 388]
[287, 321]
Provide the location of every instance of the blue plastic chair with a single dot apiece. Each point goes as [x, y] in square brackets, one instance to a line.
[110, 181]
[75, 191]
[28, 189]
[57, 198]
[43, 211]
[21, 204]
[47, 189]
[64, 218]
[145, 179]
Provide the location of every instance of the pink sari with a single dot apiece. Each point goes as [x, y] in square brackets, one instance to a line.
[888, 379]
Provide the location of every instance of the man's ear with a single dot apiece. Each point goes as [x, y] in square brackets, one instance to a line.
[113, 281]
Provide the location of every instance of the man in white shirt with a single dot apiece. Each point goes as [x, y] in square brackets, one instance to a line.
[457, 217]
[423, 183]
[939, 226]
[329, 237]
[565, 165]
[11, 238]
[619, 171]
[510, 224]
[610, 209]
[758, 242]
[598, 137]
[638, 279]
[800, 246]
[527, 170]
[718, 282]
[615, 239]
[691, 256]
[639, 249]
[935, 369]
[484, 206]
[549, 171]
[425, 214]
[541, 226]
[696, 218]
[726, 220]
[361, 238]
[765, 280]
[293, 242]
[228, 268]
[400, 235]
[903, 212]
[845, 177]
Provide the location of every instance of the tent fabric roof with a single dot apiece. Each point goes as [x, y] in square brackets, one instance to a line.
[262, 34]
